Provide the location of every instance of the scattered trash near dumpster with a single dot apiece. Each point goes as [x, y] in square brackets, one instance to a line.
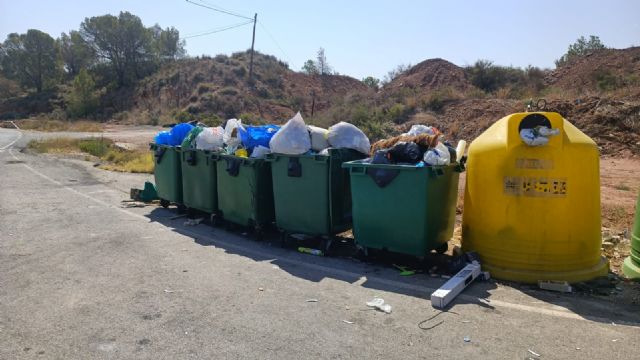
[379, 304]
[447, 292]
[559, 286]
[147, 194]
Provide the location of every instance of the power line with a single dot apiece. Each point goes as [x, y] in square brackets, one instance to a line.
[275, 42]
[218, 30]
[221, 8]
[218, 9]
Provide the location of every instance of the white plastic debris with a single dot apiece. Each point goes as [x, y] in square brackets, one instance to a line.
[318, 138]
[533, 353]
[437, 156]
[231, 136]
[260, 151]
[210, 138]
[292, 139]
[538, 136]
[193, 222]
[559, 286]
[419, 129]
[345, 135]
[379, 304]
[348, 322]
[462, 145]
[447, 292]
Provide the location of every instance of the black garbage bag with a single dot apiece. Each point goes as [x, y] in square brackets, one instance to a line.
[406, 152]
[382, 177]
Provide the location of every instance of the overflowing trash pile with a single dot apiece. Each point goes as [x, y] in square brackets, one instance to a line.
[420, 146]
[256, 141]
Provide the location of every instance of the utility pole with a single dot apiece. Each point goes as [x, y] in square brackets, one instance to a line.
[253, 40]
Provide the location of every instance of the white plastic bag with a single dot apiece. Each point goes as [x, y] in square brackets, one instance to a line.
[292, 139]
[231, 136]
[437, 156]
[537, 136]
[210, 138]
[420, 129]
[345, 135]
[260, 151]
[318, 138]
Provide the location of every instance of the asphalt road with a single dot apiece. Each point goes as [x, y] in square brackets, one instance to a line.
[81, 277]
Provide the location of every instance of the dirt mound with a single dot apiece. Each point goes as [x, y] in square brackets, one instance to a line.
[465, 119]
[432, 74]
[614, 123]
[601, 70]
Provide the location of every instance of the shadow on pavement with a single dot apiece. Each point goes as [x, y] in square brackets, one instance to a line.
[381, 273]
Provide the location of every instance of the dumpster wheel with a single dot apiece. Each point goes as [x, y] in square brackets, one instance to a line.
[258, 232]
[284, 239]
[164, 203]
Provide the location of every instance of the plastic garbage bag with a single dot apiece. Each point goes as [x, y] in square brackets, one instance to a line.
[421, 129]
[292, 139]
[210, 138]
[439, 155]
[231, 137]
[189, 140]
[345, 135]
[406, 152]
[163, 138]
[179, 132]
[260, 151]
[252, 136]
[318, 138]
[537, 136]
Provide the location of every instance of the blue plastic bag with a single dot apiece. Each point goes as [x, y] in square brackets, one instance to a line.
[179, 132]
[252, 136]
[163, 138]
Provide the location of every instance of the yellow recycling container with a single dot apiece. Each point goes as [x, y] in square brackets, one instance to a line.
[532, 200]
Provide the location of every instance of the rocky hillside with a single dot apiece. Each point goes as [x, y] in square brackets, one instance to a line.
[218, 88]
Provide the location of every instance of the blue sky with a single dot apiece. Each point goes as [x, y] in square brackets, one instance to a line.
[363, 38]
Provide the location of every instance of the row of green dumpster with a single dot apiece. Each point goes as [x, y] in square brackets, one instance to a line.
[399, 208]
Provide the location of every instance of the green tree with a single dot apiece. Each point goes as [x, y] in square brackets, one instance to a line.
[30, 59]
[76, 54]
[581, 48]
[166, 44]
[131, 50]
[83, 98]
[371, 82]
[310, 68]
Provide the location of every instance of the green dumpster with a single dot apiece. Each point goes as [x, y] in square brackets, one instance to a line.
[167, 174]
[631, 265]
[311, 192]
[403, 208]
[199, 189]
[245, 195]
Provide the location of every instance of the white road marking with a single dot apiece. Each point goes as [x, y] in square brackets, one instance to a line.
[567, 314]
[14, 141]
